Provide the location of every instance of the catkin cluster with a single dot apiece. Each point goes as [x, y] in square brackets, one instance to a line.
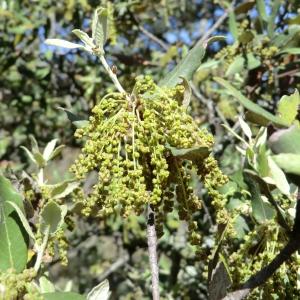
[128, 144]
[258, 249]
[15, 285]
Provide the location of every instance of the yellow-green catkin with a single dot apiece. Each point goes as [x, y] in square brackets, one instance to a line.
[126, 144]
[258, 249]
[15, 285]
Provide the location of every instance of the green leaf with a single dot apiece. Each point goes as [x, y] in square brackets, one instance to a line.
[292, 21]
[246, 37]
[84, 38]
[51, 216]
[256, 119]
[49, 149]
[4, 143]
[271, 19]
[282, 40]
[244, 7]
[63, 296]
[246, 128]
[261, 7]
[279, 177]
[252, 62]
[71, 116]
[63, 189]
[262, 165]
[171, 53]
[41, 162]
[240, 226]
[194, 153]
[262, 211]
[29, 154]
[264, 188]
[186, 68]
[46, 285]
[34, 144]
[56, 151]
[80, 124]
[250, 105]
[99, 27]
[228, 189]
[188, 65]
[35, 156]
[68, 190]
[294, 51]
[236, 66]
[285, 141]
[187, 93]
[78, 121]
[233, 28]
[213, 39]
[13, 239]
[289, 162]
[63, 44]
[211, 64]
[261, 137]
[23, 219]
[100, 292]
[288, 107]
[68, 286]
[240, 63]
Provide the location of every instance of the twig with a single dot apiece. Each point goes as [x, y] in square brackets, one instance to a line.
[288, 73]
[207, 102]
[154, 38]
[209, 218]
[210, 109]
[115, 266]
[112, 75]
[264, 274]
[152, 245]
[41, 250]
[217, 24]
[201, 41]
[150, 35]
[213, 28]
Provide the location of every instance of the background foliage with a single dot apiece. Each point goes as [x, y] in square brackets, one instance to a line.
[241, 83]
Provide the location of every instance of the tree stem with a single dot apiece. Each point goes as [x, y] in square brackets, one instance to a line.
[112, 75]
[152, 249]
[41, 250]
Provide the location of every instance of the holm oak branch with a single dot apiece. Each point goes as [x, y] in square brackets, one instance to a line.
[265, 273]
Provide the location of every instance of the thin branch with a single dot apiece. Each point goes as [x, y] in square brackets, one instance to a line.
[213, 28]
[218, 23]
[201, 41]
[112, 75]
[150, 35]
[154, 38]
[114, 267]
[211, 109]
[209, 217]
[288, 73]
[152, 249]
[207, 102]
[41, 250]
